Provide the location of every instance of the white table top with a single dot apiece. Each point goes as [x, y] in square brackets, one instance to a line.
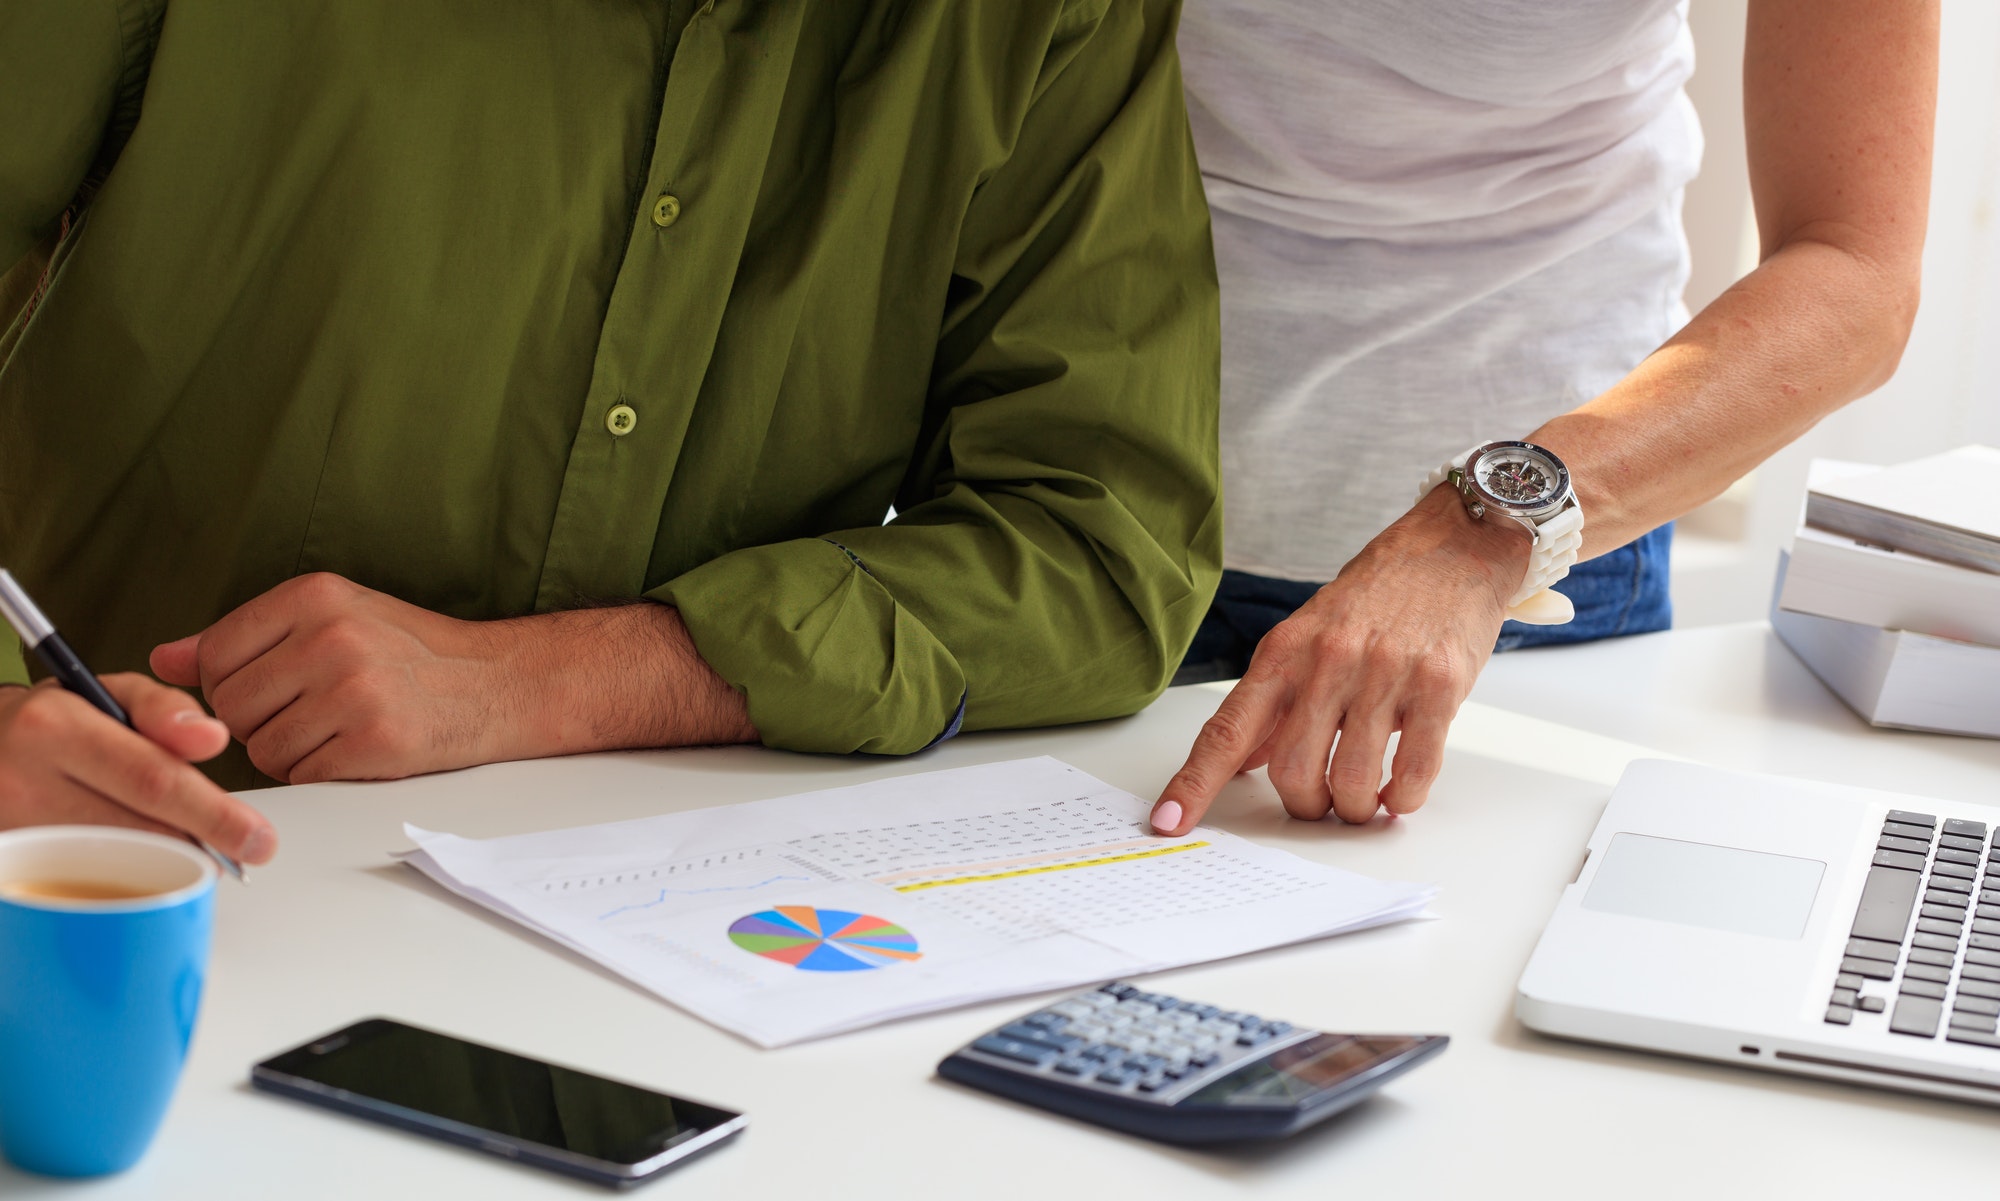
[334, 931]
[1734, 696]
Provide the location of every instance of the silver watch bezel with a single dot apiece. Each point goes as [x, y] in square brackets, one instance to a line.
[1474, 493]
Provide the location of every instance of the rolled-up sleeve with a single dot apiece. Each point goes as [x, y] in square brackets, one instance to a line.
[1058, 535]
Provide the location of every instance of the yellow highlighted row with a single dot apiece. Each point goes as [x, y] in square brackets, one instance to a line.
[1156, 852]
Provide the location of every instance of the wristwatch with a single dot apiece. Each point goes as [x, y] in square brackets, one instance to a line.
[1530, 485]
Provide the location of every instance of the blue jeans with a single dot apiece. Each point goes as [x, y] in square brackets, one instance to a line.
[1624, 592]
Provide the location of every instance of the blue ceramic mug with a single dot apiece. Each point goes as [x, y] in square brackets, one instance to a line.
[103, 945]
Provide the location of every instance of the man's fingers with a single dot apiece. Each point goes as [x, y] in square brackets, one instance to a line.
[72, 804]
[169, 717]
[133, 771]
[263, 622]
[255, 693]
[326, 762]
[1356, 773]
[280, 744]
[1419, 758]
[1241, 723]
[176, 662]
[61, 801]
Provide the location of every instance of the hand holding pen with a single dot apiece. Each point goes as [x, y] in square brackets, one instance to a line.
[113, 751]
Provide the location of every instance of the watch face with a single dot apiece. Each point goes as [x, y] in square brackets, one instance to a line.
[1519, 477]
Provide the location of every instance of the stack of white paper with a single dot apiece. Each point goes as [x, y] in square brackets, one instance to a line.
[1840, 576]
[808, 915]
[1907, 641]
[1941, 507]
[1896, 678]
[1834, 576]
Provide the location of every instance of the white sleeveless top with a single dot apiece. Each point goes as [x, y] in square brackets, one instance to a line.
[1436, 222]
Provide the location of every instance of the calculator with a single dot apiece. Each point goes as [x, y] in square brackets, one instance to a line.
[1178, 1071]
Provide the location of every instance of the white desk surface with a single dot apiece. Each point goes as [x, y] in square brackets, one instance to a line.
[1734, 697]
[333, 931]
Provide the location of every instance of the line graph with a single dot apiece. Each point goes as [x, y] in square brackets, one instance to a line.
[1070, 865]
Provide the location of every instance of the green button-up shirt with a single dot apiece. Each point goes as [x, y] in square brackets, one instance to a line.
[506, 309]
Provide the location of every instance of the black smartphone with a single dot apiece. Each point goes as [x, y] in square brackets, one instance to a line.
[506, 1104]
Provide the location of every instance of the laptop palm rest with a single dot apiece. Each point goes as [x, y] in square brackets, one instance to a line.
[1699, 884]
[1809, 927]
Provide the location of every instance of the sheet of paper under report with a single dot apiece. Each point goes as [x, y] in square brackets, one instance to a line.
[804, 916]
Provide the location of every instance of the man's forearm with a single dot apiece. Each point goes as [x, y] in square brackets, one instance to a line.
[611, 679]
[1812, 328]
[323, 679]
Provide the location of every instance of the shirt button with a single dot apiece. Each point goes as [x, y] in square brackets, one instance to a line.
[666, 210]
[620, 420]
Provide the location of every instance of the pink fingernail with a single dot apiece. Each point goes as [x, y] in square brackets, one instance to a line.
[1167, 816]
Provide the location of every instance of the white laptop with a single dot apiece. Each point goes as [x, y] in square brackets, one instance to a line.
[1809, 928]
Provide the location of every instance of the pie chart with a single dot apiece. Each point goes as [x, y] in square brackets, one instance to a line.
[823, 940]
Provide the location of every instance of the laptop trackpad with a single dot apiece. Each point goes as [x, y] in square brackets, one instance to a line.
[1695, 884]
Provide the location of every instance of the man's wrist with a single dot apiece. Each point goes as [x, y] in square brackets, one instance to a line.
[615, 678]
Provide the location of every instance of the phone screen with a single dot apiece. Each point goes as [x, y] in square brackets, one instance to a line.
[499, 1091]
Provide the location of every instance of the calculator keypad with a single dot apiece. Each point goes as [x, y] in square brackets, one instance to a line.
[1120, 1039]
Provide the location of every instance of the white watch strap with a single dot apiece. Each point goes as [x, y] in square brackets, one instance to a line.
[1557, 544]
[1438, 477]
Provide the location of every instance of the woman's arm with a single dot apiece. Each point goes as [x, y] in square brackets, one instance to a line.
[1838, 100]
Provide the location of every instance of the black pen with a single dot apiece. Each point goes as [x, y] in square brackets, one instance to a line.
[40, 637]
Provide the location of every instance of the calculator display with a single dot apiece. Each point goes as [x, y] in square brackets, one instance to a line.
[1299, 1071]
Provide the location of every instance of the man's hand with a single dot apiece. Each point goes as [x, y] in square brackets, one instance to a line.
[1394, 643]
[62, 761]
[322, 679]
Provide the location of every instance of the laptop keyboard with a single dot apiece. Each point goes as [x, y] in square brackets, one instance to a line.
[1946, 966]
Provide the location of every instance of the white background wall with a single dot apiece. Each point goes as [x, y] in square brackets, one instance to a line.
[1947, 391]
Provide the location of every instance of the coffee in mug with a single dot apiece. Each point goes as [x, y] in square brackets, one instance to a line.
[71, 890]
